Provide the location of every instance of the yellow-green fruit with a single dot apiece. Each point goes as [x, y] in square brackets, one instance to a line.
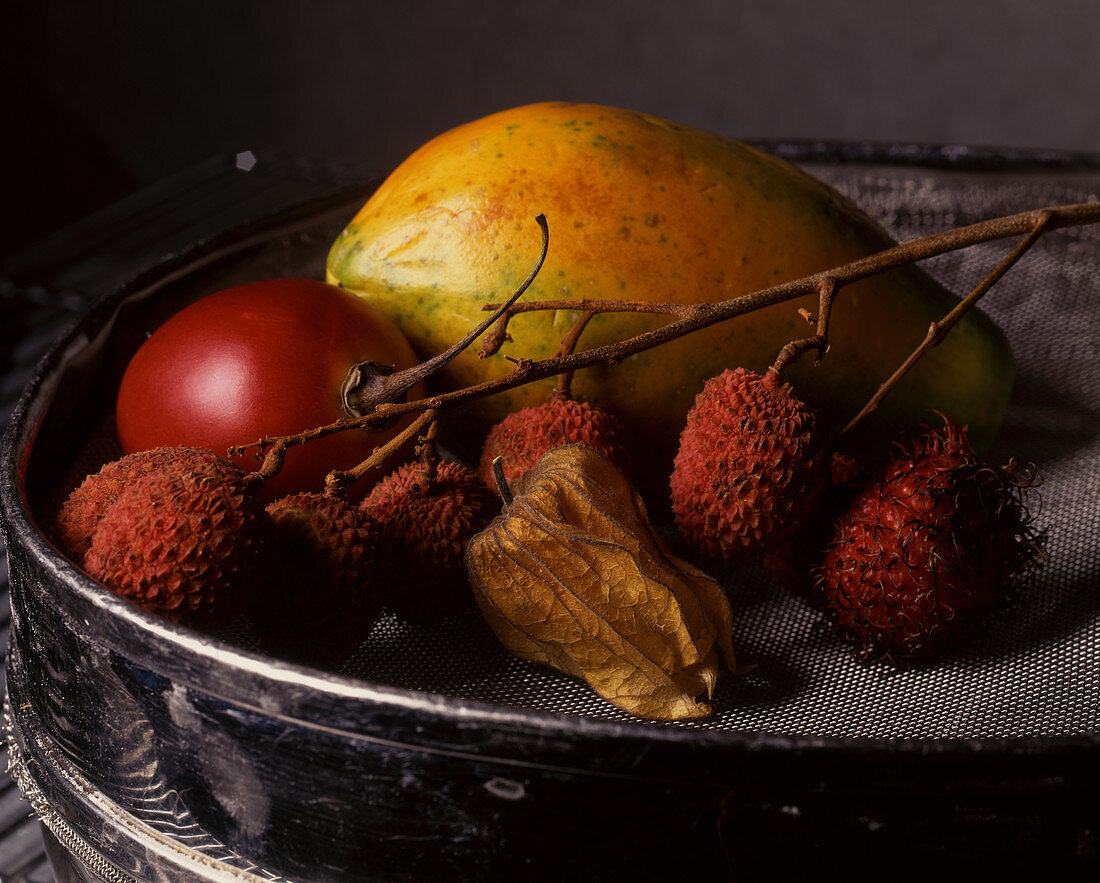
[641, 208]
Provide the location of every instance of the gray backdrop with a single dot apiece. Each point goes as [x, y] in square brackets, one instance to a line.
[104, 97]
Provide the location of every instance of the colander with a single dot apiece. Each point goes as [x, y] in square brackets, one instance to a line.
[152, 752]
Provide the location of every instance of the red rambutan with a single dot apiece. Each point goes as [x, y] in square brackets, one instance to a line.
[928, 549]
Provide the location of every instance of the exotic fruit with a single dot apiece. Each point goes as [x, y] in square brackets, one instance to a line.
[521, 438]
[80, 514]
[792, 565]
[749, 469]
[646, 209]
[186, 540]
[429, 513]
[268, 358]
[928, 549]
[326, 592]
[573, 575]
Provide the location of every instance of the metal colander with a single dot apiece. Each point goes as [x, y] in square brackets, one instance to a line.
[433, 753]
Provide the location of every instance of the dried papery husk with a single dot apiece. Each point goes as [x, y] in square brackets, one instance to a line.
[572, 574]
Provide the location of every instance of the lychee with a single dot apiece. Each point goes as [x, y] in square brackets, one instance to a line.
[521, 438]
[430, 513]
[185, 540]
[327, 590]
[931, 546]
[750, 466]
[792, 565]
[80, 514]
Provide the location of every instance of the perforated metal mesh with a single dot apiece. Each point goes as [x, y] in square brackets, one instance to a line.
[1033, 672]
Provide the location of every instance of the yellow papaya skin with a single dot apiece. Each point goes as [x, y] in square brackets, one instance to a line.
[641, 208]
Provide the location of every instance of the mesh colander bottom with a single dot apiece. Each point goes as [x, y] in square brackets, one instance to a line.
[1032, 673]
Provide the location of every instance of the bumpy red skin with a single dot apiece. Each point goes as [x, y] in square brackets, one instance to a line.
[750, 467]
[327, 591]
[80, 514]
[927, 551]
[792, 566]
[430, 521]
[186, 541]
[521, 438]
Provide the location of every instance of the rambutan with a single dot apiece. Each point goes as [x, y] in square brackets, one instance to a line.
[933, 545]
[80, 514]
[430, 512]
[521, 438]
[327, 590]
[749, 469]
[186, 540]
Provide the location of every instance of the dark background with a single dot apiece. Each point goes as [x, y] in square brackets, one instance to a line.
[103, 98]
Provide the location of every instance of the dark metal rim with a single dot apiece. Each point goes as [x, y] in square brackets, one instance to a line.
[957, 157]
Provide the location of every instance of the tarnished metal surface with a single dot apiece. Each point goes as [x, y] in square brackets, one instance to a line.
[160, 754]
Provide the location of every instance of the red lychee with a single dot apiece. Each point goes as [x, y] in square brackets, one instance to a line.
[79, 515]
[186, 540]
[749, 469]
[793, 564]
[931, 546]
[430, 518]
[521, 438]
[327, 590]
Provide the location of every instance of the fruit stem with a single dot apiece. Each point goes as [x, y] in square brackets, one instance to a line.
[568, 347]
[340, 479]
[937, 331]
[391, 388]
[826, 294]
[502, 482]
[427, 450]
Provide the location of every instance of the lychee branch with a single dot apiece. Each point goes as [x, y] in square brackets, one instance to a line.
[692, 318]
[697, 316]
[273, 449]
[339, 480]
[826, 292]
[498, 335]
[569, 346]
[427, 449]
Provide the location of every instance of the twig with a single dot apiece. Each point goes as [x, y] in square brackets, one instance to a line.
[700, 316]
[569, 346]
[337, 481]
[937, 331]
[827, 291]
[498, 335]
[697, 316]
[427, 449]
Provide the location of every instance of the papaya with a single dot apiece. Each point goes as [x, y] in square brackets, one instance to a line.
[643, 208]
